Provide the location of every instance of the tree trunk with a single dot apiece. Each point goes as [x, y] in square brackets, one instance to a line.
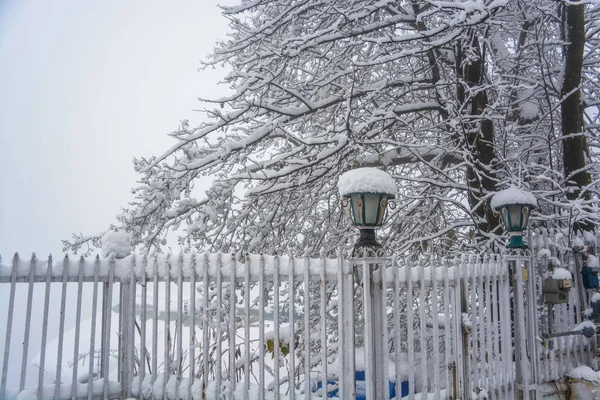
[575, 148]
[481, 176]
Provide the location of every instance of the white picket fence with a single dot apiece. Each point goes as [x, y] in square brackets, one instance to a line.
[256, 326]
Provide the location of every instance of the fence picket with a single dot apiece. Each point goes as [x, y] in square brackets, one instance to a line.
[448, 343]
[9, 323]
[179, 324]
[495, 335]
[44, 327]
[261, 328]
[61, 326]
[276, 322]
[323, 325]
[248, 266]
[383, 309]
[219, 330]
[490, 376]
[143, 353]
[167, 326]
[397, 326]
[291, 316]
[346, 329]
[205, 320]
[129, 333]
[192, 333]
[422, 327]
[435, 330]
[232, 325]
[307, 333]
[473, 315]
[462, 350]
[155, 321]
[27, 323]
[410, 330]
[90, 376]
[77, 326]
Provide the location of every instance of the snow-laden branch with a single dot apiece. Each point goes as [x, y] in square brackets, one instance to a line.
[456, 100]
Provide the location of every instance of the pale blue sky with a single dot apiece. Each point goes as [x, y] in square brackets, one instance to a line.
[86, 86]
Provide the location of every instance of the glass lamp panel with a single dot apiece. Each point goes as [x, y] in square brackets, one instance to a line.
[372, 208]
[515, 217]
[355, 209]
[525, 211]
[505, 218]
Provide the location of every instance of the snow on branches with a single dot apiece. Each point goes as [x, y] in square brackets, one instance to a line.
[453, 99]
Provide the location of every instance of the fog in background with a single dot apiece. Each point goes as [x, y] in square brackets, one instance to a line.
[85, 87]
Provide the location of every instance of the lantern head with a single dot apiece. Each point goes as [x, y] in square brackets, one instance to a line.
[514, 206]
[367, 192]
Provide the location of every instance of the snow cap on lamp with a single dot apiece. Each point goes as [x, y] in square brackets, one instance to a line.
[514, 206]
[366, 180]
[368, 190]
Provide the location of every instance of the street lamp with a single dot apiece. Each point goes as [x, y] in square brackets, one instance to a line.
[514, 206]
[368, 192]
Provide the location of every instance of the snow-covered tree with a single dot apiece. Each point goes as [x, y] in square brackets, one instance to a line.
[456, 99]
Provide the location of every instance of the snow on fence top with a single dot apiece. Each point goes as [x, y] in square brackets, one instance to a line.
[163, 265]
[366, 180]
[512, 195]
[159, 266]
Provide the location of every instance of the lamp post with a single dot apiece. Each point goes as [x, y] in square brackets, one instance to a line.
[367, 192]
[514, 206]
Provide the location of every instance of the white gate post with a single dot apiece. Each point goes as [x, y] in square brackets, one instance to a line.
[375, 326]
[524, 334]
[346, 329]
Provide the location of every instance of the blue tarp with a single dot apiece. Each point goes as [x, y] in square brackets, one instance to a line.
[360, 387]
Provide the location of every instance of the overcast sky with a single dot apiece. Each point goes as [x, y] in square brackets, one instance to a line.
[85, 87]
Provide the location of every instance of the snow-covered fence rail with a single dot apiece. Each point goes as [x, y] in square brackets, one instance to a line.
[253, 326]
